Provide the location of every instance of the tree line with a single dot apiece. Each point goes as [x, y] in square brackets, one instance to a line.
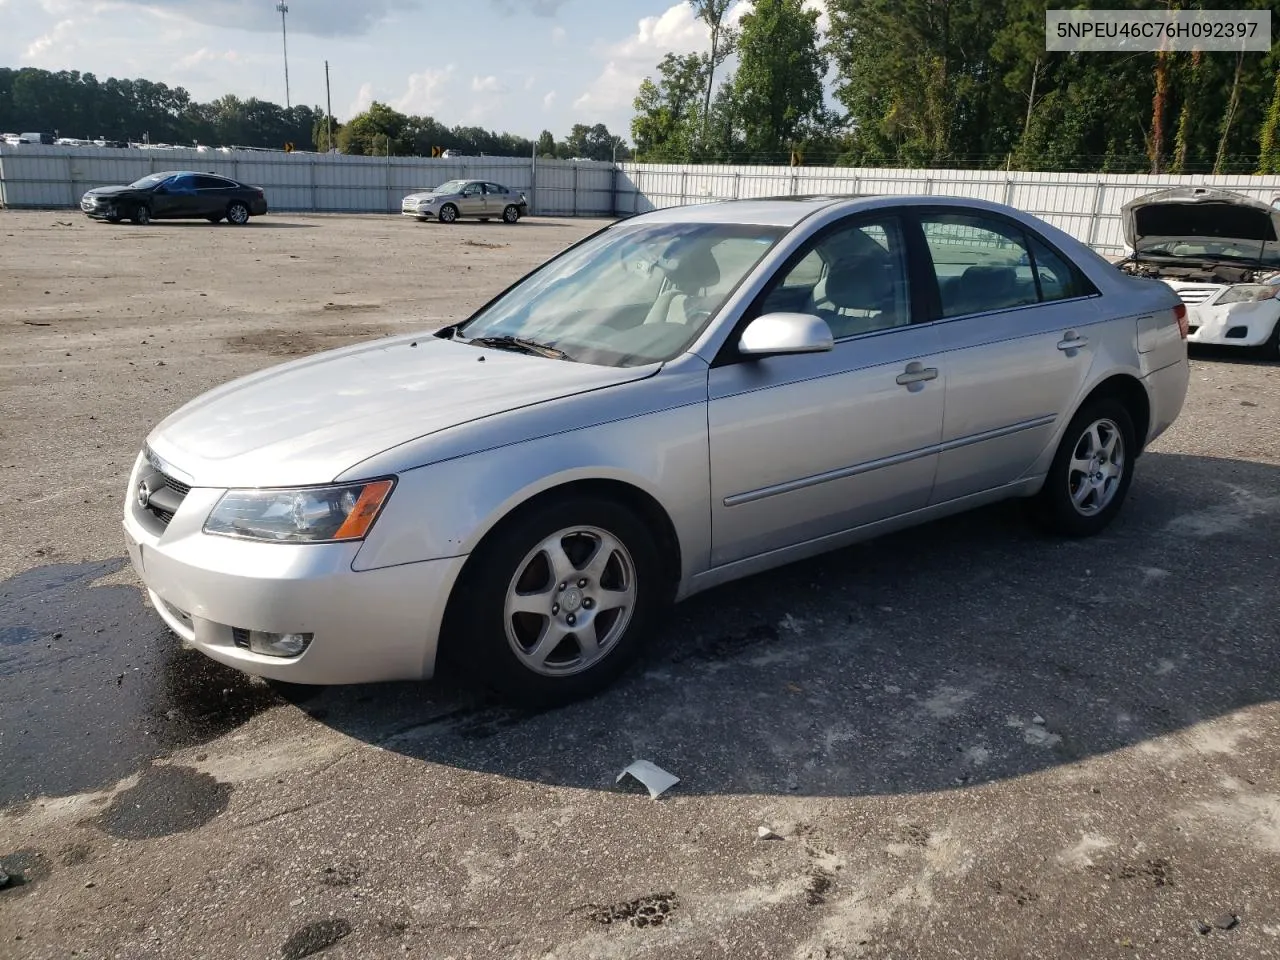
[955, 83]
[74, 104]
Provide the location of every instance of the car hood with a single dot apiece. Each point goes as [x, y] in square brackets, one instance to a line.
[1197, 214]
[310, 420]
[425, 195]
[108, 191]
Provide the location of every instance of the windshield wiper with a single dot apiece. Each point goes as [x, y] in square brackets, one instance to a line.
[521, 345]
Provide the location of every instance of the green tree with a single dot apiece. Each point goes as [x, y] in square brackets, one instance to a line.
[723, 38]
[778, 85]
[666, 122]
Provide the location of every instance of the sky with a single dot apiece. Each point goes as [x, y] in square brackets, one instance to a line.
[518, 66]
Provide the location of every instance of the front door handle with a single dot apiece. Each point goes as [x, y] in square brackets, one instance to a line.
[917, 372]
[1072, 341]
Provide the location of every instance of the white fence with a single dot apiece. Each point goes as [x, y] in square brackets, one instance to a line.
[1087, 206]
[34, 175]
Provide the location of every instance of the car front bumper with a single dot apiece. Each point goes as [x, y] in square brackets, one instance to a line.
[423, 214]
[367, 626]
[1247, 324]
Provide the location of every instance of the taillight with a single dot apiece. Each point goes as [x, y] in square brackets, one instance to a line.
[1180, 314]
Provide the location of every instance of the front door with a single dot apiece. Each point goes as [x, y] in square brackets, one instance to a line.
[472, 202]
[811, 445]
[1014, 332]
[176, 197]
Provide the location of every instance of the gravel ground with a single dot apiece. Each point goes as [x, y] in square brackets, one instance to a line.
[967, 740]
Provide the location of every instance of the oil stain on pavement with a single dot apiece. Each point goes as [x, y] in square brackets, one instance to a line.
[93, 685]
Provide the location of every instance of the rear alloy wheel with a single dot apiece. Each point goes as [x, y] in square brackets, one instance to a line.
[1092, 470]
[511, 214]
[238, 214]
[555, 605]
[448, 213]
[141, 215]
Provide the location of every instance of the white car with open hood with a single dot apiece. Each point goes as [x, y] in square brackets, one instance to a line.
[1220, 252]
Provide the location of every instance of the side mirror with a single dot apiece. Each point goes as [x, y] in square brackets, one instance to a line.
[779, 333]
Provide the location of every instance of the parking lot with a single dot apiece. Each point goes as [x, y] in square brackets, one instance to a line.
[968, 740]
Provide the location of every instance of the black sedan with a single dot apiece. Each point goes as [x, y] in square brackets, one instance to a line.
[175, 195]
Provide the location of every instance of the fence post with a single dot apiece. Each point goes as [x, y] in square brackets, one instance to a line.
[1095, 220]
[856, 181]
[684, 187]
[533, 182]
[575, 189]
[71, 182]
[737, 184]
[312, 165]
[795, 184]
[928, 186]
[613, 199]
[635, 197]
[1008, 192]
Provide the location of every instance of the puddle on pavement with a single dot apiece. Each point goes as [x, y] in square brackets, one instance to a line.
[166, 800]
[93, 685]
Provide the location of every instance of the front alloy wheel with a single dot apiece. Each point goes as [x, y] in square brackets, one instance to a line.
[448, 213]
[570, 601]
[555, 602]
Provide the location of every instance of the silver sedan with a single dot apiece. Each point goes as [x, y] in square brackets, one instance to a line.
[684, 398]
[482, 199]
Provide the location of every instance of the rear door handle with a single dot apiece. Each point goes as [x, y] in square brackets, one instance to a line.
[917, 372]
[1072, 342]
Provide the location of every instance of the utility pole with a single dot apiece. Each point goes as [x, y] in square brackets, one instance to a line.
[284, 36]
[328, 111]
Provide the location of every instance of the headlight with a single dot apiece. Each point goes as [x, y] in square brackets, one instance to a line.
[301, 514]
[1245, 292]
[426, 201]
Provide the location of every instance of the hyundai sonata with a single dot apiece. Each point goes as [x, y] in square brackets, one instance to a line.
[686, 397]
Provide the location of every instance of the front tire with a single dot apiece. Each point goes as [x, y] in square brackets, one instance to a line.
[554, 605]
[1271, 349]
[1092, 470]
[511, 214]
[141, 215]
[448, 213]
[238, 214]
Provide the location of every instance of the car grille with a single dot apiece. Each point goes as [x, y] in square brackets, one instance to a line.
[166, 498]
[1193, 294]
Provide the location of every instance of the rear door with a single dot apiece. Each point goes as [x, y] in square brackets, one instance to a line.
[214, 194]
[1014, 319]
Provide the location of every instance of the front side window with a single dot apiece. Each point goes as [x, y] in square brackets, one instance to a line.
[854, 278]
[632, 295]
[471, 190]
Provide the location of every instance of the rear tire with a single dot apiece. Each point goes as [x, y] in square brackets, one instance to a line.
[238, 214]
[141, 215]
[511, 214]
[516, 651]
[1092, 470]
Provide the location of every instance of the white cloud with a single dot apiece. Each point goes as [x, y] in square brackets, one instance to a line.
[426, 90]
[56, 41]
[205, 55]
[364, 97]
[558, 35]
[548, 100]
[489, 84]
[529, 81]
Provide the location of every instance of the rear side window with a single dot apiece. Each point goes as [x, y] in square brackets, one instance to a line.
[211, 183]
[1059, 279]
[495, 188]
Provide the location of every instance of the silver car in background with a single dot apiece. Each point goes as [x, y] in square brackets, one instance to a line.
[482, 199]
[686, 397]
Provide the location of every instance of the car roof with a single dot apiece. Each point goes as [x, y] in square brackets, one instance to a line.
[791, 210]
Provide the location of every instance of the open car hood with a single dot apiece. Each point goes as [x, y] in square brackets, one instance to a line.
[1196, 215]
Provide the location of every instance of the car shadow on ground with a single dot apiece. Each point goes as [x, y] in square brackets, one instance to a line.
[964, 651]
[968, 650]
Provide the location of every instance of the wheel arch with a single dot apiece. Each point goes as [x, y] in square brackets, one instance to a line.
[647, 507]
[1129, 390]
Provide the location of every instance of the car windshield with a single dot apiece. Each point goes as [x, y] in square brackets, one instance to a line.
[1210, 248]
[150, 181]
[631, 295]
[451, 186]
